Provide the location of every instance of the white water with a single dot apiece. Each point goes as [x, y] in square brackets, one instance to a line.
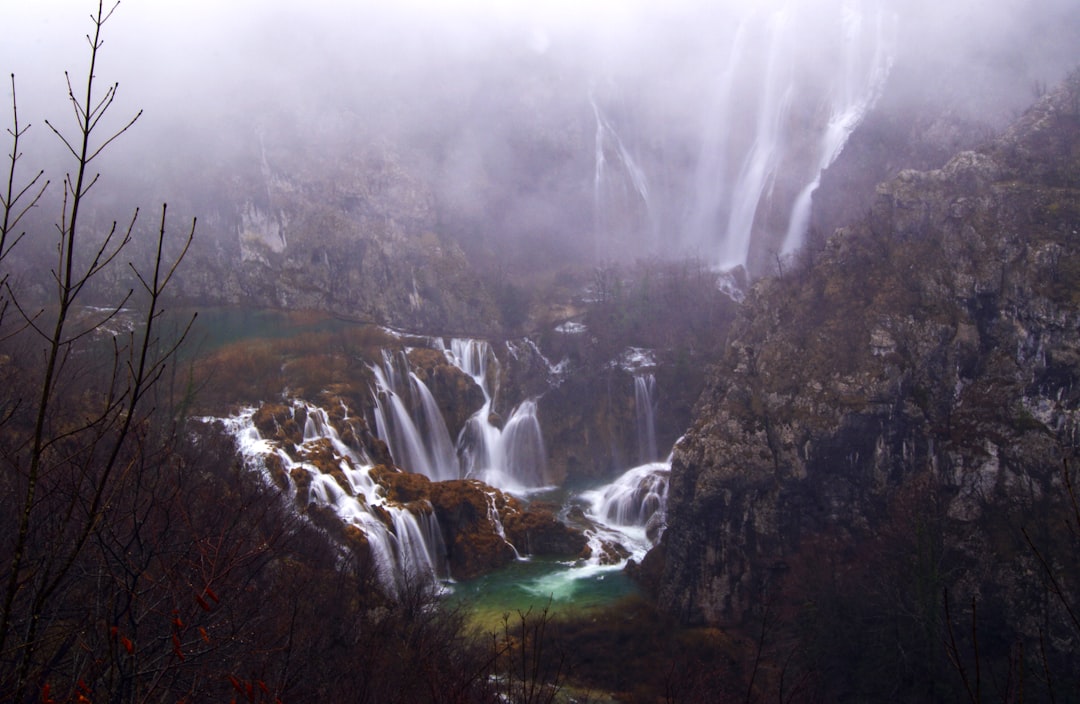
[780, 91]
[760, 163]
[628, 513]
[860, 86]
[410, 548]
[408, 419]
[406, 542]
[511, 458]
[645, 409]
[630, 510]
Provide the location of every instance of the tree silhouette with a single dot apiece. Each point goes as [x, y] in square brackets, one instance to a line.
[76, 423]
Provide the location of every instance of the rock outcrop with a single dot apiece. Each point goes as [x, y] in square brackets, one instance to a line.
[930, 350]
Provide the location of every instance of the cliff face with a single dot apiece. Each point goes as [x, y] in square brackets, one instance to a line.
[933, 345]
[350, 229]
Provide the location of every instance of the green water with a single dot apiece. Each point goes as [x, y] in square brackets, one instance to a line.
[217, 327]
[533, 584]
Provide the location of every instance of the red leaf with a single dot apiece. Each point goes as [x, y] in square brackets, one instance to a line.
[176, 647]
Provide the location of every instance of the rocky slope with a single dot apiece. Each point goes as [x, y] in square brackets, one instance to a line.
[929, 351]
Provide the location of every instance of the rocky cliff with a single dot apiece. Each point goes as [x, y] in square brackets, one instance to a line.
[350, 230]
[930, 351]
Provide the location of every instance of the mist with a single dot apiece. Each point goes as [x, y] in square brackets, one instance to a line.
[542, 131]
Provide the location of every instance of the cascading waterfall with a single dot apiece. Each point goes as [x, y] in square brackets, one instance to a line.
[645, 409]
[621, 520]
[633, 504]
[408, 549]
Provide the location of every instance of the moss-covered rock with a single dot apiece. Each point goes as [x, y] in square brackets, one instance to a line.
[467, 511]
[537, 530]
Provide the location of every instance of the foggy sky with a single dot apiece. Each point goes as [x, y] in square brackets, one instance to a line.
[210, 73]
[174, 53]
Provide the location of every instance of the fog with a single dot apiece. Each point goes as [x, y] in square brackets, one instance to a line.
[598, 129]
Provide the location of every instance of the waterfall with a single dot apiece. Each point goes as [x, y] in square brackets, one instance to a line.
[406, 547]
[645, 408]
[512, 458]
[634, 498]
[515, 457]
[621, 203]
[710, 182]
[408, 419]
[860, 88]
[788, 83]
[761, 162]
[630, 510]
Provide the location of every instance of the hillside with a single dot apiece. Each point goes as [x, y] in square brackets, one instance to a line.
[894, 426]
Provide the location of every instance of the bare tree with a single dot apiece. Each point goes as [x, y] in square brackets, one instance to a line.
[68, 443]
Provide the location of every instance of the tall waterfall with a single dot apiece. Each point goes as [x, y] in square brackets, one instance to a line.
[741, 168]
[778, 89]
[860, 85]
[622, 211]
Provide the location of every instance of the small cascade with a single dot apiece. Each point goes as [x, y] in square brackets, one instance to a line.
[629, 512]
[645, 409]
[497, 524]
[634, 499]
[406, 542]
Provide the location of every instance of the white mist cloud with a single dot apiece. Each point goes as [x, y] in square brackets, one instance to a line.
[486, 92]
